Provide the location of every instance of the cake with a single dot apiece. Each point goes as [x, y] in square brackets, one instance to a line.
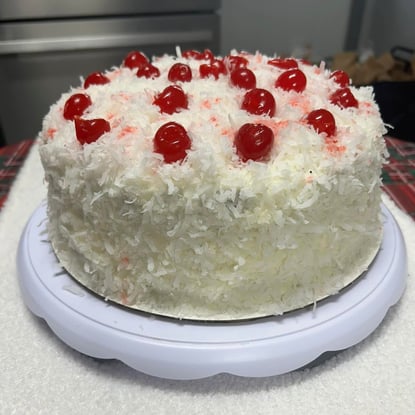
[210, 188]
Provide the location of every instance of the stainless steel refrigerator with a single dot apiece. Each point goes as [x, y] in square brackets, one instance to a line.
[46, 45]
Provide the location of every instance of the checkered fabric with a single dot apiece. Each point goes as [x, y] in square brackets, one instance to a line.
[11, 159]
[398, 174]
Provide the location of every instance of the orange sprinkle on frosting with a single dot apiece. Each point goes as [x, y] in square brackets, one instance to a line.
[128, 129]
[51, 132]
[334, 147]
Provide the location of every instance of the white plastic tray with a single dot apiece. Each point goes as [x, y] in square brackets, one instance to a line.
[176, 349]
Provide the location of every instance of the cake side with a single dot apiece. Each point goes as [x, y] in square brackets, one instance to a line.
[215, 237]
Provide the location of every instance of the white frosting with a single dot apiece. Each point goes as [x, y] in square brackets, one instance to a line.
[213, 237]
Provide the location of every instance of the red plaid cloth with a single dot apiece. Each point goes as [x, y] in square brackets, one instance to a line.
[11, 159]
[398, 175]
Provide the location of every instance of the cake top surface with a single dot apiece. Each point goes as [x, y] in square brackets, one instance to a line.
[242, 117]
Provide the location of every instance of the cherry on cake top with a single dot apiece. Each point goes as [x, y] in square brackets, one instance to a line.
[172, 99]
[172, 142]
[259, 101]
[180, 72]
[76, 106]
[252, 141]
[96, 78]
[284, 63]
[341, 78]
[148, 71]
[88, 131]
[233, 62]
[243, 78]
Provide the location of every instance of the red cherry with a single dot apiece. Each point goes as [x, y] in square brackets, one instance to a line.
[283, 63]
[180, 72]
[292, 80]
[95, 78]
[243, 78]
[207, 70]
[254, 142]
[171, 99]
[341, 78]
[344, 98]
[148, 71]
[76, 105]
[220, 65]
[322, 121]
[88, 131]
[192, 54]
[207, 54]
[171, 140]
[233, 62]
[135, 59]
[259, 101]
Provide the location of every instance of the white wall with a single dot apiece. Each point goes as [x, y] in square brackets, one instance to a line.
[280, 26]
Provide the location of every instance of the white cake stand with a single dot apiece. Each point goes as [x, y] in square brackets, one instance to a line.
[175, 349]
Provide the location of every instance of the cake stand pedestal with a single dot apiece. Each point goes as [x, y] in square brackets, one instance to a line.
[181, 349]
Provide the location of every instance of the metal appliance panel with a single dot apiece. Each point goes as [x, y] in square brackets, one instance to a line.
[41, 59]
[47, 9]
[72, 35]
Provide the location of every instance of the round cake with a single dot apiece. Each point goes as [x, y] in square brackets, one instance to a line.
[213, 188]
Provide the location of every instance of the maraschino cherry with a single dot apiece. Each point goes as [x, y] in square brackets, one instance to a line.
[135, 59]
[180, 72]
[341, 78]
[259, 101]
[148, 71]
[88, 131]
[292, 80]
[234, 62]
[243, 78]
[322, 121]
[220, 65]
[207, 54]
[76, 105]
[254, 142]
[192, 54]
[344, 98]
[283, 63]
[172, 142]
[214, 68]
[171, 99]
[95, 78]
